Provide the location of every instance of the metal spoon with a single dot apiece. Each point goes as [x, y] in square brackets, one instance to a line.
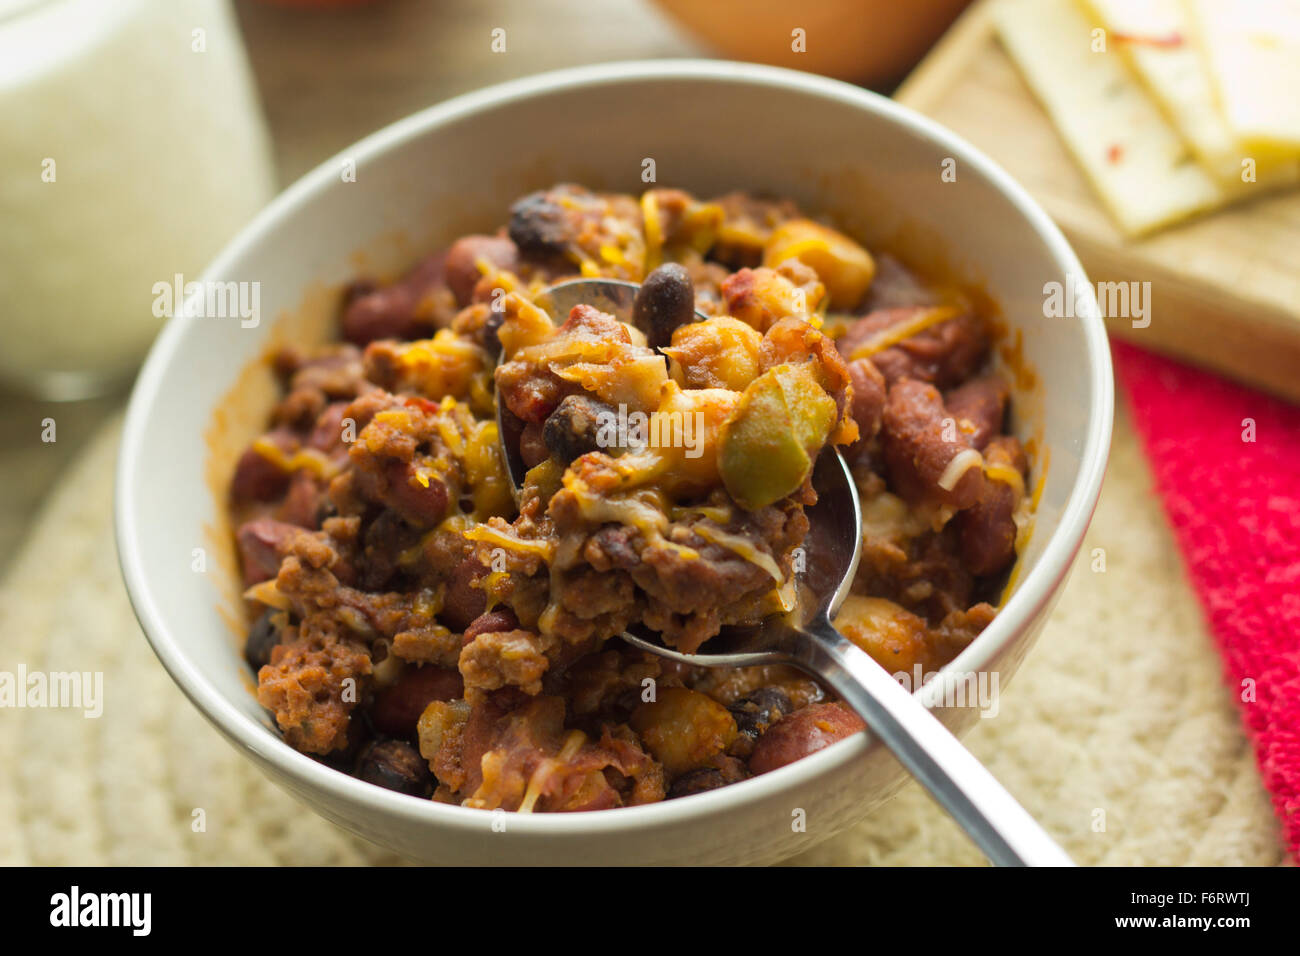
[806, 639]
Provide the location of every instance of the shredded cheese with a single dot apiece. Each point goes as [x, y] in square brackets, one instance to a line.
[961, 463]
[904, 330]
[741, 546]
[268, 593]
[308, 459]
[485, 532]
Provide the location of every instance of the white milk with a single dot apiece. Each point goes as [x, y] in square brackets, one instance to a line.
[131, 148]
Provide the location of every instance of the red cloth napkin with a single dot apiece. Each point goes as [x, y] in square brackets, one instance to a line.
[1235, 508]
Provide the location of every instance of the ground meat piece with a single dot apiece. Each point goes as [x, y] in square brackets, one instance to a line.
[518, 756]
[979, 407]
[330, 373]
[304, 685]
[410, 308]
[604, 682]
[921, 441]
[493, 660]
[802, 733]
[945, 354]
[530, 393]
[925, 574]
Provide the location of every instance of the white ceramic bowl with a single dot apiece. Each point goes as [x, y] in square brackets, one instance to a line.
[709, 127]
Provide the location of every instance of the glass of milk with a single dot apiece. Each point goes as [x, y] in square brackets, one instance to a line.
[132, 147]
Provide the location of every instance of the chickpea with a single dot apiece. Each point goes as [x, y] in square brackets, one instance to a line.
[844, 266]
[683, 728]
[895, 638]
[721, 352]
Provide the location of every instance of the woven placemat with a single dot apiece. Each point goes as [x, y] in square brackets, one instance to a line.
[1118, 733]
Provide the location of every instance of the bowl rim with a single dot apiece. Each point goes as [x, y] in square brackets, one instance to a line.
[1031, 597]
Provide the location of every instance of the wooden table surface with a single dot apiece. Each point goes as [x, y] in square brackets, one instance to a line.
[328, 78]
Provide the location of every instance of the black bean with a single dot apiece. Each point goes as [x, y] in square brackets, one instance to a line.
[489, 336]
[697, 781]
[727, 770]
[760, 710]
[665, 301]
[395, 765]
[262, 639]
[573, 428]
[538, 225]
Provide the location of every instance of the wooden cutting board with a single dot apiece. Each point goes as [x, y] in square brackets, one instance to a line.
[1225, 288]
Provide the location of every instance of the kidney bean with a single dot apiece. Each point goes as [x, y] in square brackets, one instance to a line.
[423, 505]
[262, 638]
[987, 530]
[499, 620]
[804, 732]
[571, 430]
[868, 396]
[395, 765]
[983, 403]
[260, 543]
[256, 477]
[396, 311]
[327, 432]
[944, 354]
[919, 445]
[665, 301]
[463, 602]
[462, 258]
[301, 505]
[397, 707]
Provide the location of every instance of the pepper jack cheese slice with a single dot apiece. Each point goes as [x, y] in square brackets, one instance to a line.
[1252, 50]
[1139, 166]
[1156, 38]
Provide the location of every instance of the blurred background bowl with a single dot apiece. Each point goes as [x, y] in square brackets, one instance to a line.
[873, 42]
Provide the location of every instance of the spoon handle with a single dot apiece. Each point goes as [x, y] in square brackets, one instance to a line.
[998, 825]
